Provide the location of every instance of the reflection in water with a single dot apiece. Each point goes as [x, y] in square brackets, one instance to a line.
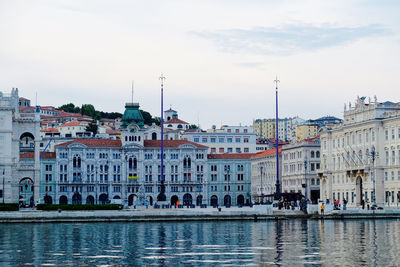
[270, 243]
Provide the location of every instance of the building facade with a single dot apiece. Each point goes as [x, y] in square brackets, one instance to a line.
[228, 139]
[229, 179]
[19, 134]
[348, 170]
[301, 163]
[265, 128]
[263, 175]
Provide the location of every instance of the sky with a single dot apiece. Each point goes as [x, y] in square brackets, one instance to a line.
[220, 58]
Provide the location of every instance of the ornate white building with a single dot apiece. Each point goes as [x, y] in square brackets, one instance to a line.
[301, 161]
[98, 170]
[347, 171]
[19, 134]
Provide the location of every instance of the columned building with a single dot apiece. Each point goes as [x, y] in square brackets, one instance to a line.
[347, 169]
[301, 161]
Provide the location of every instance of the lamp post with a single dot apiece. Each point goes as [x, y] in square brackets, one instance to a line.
[262, 185]
[96, 184]
[161, 196]
[305, 179]
[4, 178]
[277, 185]
[373, 155]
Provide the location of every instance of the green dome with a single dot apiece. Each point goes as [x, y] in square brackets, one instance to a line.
[132, 114]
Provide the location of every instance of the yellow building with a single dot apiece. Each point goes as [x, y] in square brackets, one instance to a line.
[306, 131]
[264, 128]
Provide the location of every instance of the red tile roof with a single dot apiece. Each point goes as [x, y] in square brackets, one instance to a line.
[176, 121]
[30, 155]
[113, 132]
[231, 156]
[169, 143]
[72, 123]
[94, 143]
[267, 152]
[50, 130]
[311, 139]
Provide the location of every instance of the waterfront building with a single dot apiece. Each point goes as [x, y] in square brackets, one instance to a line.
[19, 133]
[265, 128]
[228, 139]
[99, 170]
[301, 161]
[263, 175]
[347, 170]
[229, 179]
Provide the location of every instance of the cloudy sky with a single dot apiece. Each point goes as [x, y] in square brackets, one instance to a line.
[220, 58]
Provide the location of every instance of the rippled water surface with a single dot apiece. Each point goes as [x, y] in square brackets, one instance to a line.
[266, 243]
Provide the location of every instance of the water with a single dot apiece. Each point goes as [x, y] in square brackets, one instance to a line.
[266, 243]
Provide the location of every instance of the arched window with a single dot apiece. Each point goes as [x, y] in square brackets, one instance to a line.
[154, 136]
[76, 161]
[312, 154]
[130, 163]
[318, 155]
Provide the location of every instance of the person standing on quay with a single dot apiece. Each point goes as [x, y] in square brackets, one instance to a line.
[322, 208]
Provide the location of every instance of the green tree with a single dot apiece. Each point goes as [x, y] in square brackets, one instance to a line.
[193, 126]
[156, 120]
[92, 127]
[69, 108]
[88, 110]
[147, 117]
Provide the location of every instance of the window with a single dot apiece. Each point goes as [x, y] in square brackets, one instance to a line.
[229, 150]
[245, 140]
[229, 140]
[386, 176]
[238, 150]
[386, 135]
[246, 150]
[387, 157]
[393, 135]
[221, 150]
[213, 150]
[196, 139]
[373, 136]
[392, 175]
[221, 140]
[393, 157]
[213, 139]
[204, 140]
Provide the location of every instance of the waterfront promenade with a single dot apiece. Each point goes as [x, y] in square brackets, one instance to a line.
[196, 214]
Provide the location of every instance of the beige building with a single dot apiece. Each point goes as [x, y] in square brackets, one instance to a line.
[263, 175]
[301, 161]
[265, 128]
[306, 131]
[347, 171]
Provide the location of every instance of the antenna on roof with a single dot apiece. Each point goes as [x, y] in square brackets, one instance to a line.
[132, 90]
[36, 99]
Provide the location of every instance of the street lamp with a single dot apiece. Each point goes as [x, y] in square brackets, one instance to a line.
[262, 184]
[305, 179]
[96, 184]
[4, 178]
[373, 155]
[277, 185]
